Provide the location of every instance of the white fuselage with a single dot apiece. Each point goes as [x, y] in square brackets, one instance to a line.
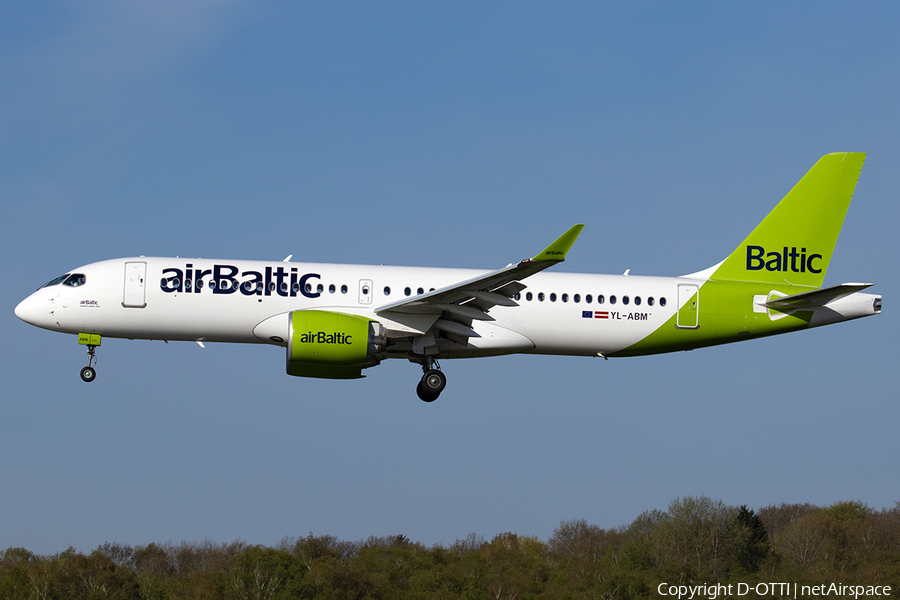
[242, 301]
[168, 304]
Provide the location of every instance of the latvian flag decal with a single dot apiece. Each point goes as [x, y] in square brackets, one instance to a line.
[595, 314]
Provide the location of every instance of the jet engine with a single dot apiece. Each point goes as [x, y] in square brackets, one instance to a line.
[332, 345]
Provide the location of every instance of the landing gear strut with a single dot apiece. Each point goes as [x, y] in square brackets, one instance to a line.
[433, 381]
[89, 373]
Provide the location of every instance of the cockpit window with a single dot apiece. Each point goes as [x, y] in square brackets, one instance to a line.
[74, 280]
[56, 281]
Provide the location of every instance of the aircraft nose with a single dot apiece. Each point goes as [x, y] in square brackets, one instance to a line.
[29, 310]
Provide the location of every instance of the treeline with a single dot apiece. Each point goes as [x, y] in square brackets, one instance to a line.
[696, 541]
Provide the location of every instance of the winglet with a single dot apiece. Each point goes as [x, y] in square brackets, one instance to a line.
[557, 250]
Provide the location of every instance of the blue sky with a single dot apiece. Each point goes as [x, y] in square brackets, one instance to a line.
[434, 134]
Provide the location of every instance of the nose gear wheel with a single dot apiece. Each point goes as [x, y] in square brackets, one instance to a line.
[89, 373]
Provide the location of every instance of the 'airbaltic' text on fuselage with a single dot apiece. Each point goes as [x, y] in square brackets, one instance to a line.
[228, 279]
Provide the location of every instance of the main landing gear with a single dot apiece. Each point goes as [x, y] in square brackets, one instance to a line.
[433, 381]
[89, 373]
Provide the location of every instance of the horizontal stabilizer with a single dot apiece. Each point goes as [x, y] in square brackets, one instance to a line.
[816, 297]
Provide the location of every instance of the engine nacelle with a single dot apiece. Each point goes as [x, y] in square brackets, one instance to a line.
[332, 345]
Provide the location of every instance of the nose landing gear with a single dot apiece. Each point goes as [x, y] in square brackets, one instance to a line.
[433, 381]
[91, 340]
[88, 374]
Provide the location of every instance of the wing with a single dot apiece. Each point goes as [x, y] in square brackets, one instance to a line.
[453, 308]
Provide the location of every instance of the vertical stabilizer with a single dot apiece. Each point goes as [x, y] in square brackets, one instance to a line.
[794, 243]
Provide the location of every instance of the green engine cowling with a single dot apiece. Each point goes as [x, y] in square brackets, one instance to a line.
[332, 345]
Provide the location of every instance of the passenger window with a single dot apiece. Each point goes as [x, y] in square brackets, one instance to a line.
[625, 300]
[518, 296]
[420, 291]
[588, 299]
[565, 297]
[331, 289]
[553, 297]
[576, 298]
[637, 300]
[529, 296]
[320, 288]
[600, 299]
[541, 296]
[662, 301]
[650, 300]
[407, 291]
[387, 290]
[344, 289]
[612, 299]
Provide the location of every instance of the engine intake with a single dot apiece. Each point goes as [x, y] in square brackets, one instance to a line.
[332, 345]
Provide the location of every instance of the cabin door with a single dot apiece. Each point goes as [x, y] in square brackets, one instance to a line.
[135, 285]
[688, 306]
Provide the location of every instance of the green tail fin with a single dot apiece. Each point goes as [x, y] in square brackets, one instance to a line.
[795, 242]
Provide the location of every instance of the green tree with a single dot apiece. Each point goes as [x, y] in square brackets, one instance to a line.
[575, 549]
[753, 542]
[698, 536]
[515, 566]
[312, 548]
[576, 539]
[777, 517]
[804, 540]
[42, 578]
[14, 583]
[850, 510]
[154, 559]
[120, 554]
[640, 549]
[260, 573]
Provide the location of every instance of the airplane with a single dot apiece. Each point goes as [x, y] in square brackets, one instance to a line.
[335, 320]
